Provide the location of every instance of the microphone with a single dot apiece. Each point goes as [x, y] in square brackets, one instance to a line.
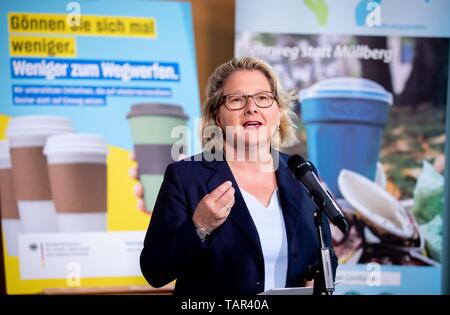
[304, 172]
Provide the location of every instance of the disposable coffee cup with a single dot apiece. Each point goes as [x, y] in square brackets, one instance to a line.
[27, 137]
[344, 120]
[11, 224]
[151, 128]
[77, 172]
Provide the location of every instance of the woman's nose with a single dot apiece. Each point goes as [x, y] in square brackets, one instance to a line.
[251, 107]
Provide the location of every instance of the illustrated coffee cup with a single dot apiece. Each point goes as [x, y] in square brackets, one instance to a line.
[11, 224]
[151, 128]
[77, 173]
[27, 137]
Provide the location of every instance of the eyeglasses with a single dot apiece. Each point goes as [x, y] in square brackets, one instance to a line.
[237, 101]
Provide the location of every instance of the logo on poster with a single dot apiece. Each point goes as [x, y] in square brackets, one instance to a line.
[320, 10]
[368, 13]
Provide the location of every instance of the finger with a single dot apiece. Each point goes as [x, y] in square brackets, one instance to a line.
[133, 172]
[141, 206]
[219, 191]
[225, 199]
[132, 155]
[224, 211]
[227, 207]
[139, 190]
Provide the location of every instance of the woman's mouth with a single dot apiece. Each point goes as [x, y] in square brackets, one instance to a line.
[252, 125]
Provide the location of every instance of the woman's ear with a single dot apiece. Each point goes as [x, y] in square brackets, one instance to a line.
[217, 120]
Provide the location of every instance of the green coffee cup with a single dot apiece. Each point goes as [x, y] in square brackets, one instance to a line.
[151, 129]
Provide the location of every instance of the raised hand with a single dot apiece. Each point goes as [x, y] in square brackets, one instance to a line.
[214, 207]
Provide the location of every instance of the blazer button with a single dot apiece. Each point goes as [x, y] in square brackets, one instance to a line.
[294, 254]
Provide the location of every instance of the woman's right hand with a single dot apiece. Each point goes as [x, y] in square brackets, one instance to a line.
[138, 187]
[215, 207]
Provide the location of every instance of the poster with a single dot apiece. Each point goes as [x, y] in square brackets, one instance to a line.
[90, 90]
[372, 88]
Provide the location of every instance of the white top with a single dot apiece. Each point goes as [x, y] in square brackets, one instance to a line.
[272, 234]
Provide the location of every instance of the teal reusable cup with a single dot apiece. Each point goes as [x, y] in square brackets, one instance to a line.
[151, 128]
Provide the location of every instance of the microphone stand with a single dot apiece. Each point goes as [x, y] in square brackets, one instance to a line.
[323, 273]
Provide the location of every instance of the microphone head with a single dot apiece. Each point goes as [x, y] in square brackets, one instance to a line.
[299, 166]
[295, 161]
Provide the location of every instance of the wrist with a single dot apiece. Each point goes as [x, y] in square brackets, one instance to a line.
[202, 232]
[200, 225]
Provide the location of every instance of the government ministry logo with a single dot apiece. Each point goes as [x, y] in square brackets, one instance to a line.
[367, 13]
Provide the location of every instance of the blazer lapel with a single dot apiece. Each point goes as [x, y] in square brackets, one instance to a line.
[239, 214]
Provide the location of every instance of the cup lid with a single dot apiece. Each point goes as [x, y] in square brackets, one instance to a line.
[157, 110]
[4, 147]
[5, 158]
[75, 143]
[38, 125]
[346, 87]
[4, 151]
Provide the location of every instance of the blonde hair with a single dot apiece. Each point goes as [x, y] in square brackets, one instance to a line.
[286, 136]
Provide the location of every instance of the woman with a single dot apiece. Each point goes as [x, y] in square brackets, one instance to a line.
[233, 220]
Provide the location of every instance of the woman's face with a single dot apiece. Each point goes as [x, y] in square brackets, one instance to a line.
[251, 125]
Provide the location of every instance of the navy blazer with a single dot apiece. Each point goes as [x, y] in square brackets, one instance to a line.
[231, 261]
